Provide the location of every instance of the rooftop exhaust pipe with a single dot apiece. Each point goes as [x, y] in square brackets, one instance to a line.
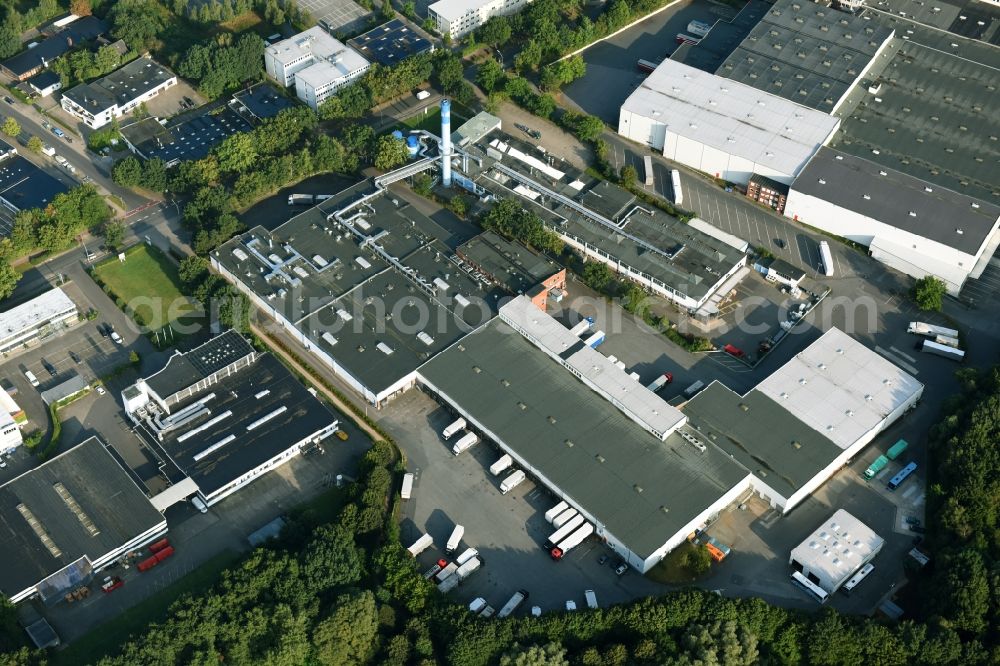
[446, 143]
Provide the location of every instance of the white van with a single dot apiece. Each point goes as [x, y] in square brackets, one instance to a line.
[199, 504]
[31, 377]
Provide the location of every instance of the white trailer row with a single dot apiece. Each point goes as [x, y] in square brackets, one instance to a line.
[931, 331]
[572, 541]
[512, 481]
[463, 572]
[563, 532]
[555, 511]
[826, 257]
[467, 441]
[563, 518]
[513, 603]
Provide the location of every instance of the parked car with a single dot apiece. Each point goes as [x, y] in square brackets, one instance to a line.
[622, 568]
[735, 351]
[602, 560]
[104, 330]
[100, 390]
[116, 338]
[571, 605]
[58, 132]
[9, 100]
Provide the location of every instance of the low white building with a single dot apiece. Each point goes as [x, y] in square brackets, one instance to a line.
[457, 18]
[10, 434]
[724, 128]
[914, 226]
[835, 551]
[112, 96]
[316, 63]
[36, 319]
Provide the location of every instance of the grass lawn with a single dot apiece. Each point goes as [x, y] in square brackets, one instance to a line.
[244, 21]
[107, 638]
[148, 284]
[673, 569]
[431, 121]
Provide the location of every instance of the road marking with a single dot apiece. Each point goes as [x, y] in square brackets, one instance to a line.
[898, 361]
[909, 491]
[906, 356]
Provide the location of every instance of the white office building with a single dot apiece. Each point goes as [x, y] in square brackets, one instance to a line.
[120, 92]
[316, 63]
[724, 128]
[460, 17]
[36, 320]
[835, 551]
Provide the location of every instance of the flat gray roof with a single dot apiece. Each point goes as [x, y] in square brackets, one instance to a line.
[898, 199]
[106, 497]
[186, 369]
[513, 265]
[120, 86]
[805, 52]
[761, 437]
[973, 19]
[724, 37]
[641, 489]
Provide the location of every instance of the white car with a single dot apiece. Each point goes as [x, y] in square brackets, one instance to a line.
[100, 390]
[536, 611]
[571, 605]
[117, 338]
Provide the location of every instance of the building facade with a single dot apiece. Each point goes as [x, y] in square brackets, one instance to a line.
[457, 18]
[317, 64]
[118, 93]
[37, 319]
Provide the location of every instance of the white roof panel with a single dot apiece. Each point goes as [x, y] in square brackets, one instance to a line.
[731, 117]
[837, 548]
[49, 305]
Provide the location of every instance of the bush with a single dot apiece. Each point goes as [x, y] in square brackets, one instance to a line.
[929, 292]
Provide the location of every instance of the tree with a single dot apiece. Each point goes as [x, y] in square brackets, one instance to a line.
[386, 11]
[80, 7]
[114, 234]
[422, 184]
[458, 205]
[965, 591]
[391, 152]
[10, 33]
[8, 279]
[138, 22]
[449, 72]
[490, 75]
[928, 292]
[127, 172]
[725, 643]
[551, 654]
[496, 32]
[348, 634]
[237, 153]
[584, 126]
[597, 275]
[35, 144]
[529, 57]
[628, 176]
[11, 127]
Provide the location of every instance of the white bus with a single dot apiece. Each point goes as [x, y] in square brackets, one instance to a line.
[814, 590]
[857, 578]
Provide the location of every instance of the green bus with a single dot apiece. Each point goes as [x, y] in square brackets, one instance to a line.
[896, 449]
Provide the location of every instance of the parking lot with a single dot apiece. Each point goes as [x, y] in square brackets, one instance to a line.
[507, 530]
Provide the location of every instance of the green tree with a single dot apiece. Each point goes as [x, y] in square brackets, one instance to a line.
[929, 292]
[597, 275]
[529, 57]
[628, 176]
[11, 127]
[496, 32]
[584, 126]
[238, 153]
[490, 75]
[348, 634]
[386, 11]
[10, 33]
[726, 643]
[391, 153]
[551, 654]
[138, 22]
[458, 205]
[8, 279]
[422, 184]
[35, 144]
[114, 234]
[449, 72]
[127, 172]
[964, 595]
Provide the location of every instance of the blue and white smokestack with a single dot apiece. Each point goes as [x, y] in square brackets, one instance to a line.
[446, 142]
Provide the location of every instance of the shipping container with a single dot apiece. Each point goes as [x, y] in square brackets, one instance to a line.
[148, 563]
[503, 462]
[896, 449]
[164, 553]
[563, 532]
[877, 466]
[555, 511]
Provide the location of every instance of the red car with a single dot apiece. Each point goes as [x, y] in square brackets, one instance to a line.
[735, 351]
[442, 563]
[111, 583]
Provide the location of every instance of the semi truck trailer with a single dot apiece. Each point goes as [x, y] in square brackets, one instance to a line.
[454, 539]
[468, 568]
[563, 532]
[503, 463]
[513, 603]
[877, 466]
[582, 326]
[931, 331]
[660, 382]
[826, 257]
[421, 544]
[897, 449]
[453, 428]
[572, 541]
[445, 574]
[595, 340]
[555, 511]
[511, 482]
[563, 518]
[932, 347]
[675, 182]
[407, 489]
[467, 441]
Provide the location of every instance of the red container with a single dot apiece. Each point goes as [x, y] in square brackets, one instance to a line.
[159, 545]
[735, 351]
[164, 554]
[148, 563]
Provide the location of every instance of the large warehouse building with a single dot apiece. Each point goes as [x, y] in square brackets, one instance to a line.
[781, 440]
[67, 519]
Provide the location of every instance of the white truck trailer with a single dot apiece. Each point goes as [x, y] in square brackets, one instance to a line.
[591, 599]
[407, 486]
[931, 331]
[698, 28]
[658, 383]
[675, 183]
[448, 584]
[572, 541]
[453, 428]
[467, 441]
[513, 603]
[563, 518]
[932, 347]
[421, 544]
[466, 555]
[647, 167]
[503, 463]
[511, 482]
[468, 568]
[446, 573]
[555, 511]
[563, 532]
[454, 539]
[826, 257]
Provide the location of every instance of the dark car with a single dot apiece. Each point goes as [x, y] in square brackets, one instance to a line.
[534, 134]
[919, 529]
[9, 100]
[104, 330]
[72, 355]
[780, 243]
[602, 560]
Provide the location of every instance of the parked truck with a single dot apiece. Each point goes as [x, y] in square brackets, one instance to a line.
[931, 331]
[877, 466]
[675, 183]
[454, 539]
[487, 612]
[407, 489]
[595, 340]
[826, 257]
[582, 326]
[591, 599]
[647, 167]
[563, 532]
[448, 584]
[503, 463]
[511, 482]
[555, 511]
[897, 449]
[698, 28]
[468, 568]
[692, 390]
[445, 573]
[467, 441]
[932, 347]
[946, 340]
[660, 382]
[453, 428]
[421, 544]
[572, 541]
[466, 555]
[563, 518]
[513, 603]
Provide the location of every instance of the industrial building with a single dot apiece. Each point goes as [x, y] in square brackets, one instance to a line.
[318, 64]
[24, 186]
[260, 101]
[188, 137]
[36, 320]
[723, 127]
[835, 551]
[781, 440]
[69, 518]
[457, 18]
[390, 43]
[112, 96]
[514, 267]
[363, 282]
[907, 223]
[222, 415]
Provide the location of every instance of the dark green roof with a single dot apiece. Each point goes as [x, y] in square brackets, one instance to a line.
[642, 490]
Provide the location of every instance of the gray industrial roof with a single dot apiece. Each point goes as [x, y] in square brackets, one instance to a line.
[508, 262]
[761, 435]
[120, 86]
[899, 200]
[188, 138]
[99, 494]
[185, 369]
[390, 43]
[934, 116]
[262, 100]
[642, 489]
[250, 394]
[23, 185]
[724, 37]
[969, 18]
[805, 52]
